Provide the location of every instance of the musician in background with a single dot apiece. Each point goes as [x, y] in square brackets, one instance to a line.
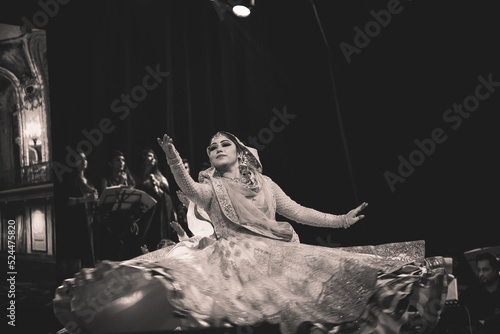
[112, 230]
[483, 298]
[119, 174]
[155, 223]
[76, 248]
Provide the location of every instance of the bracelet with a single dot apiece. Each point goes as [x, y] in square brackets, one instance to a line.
[173, 161]
[345, 222]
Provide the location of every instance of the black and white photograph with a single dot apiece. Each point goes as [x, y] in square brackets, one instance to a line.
[249, 166]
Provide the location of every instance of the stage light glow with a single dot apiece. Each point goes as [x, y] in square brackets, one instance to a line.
[240, 8]
[241, 11]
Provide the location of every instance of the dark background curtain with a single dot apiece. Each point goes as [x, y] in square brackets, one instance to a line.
[237, 74]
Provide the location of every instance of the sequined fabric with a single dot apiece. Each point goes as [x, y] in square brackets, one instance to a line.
[252, 279]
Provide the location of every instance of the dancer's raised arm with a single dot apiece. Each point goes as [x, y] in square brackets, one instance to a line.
[197, 192]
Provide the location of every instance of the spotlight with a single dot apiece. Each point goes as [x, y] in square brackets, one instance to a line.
[240, 8]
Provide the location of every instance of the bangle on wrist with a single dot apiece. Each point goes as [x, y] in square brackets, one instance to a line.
[345, 222]
[173, 161]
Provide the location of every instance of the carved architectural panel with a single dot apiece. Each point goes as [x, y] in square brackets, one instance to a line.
[24, 111]
[26, 188]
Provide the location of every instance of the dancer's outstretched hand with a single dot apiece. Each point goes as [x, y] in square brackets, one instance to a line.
[352, 216]
[168, 147]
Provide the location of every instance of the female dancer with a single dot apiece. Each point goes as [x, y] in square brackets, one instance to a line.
[254, 269]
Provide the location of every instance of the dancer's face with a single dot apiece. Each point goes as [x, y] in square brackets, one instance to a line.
[222, 152]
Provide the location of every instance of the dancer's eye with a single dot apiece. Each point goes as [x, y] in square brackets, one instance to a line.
[211, 148]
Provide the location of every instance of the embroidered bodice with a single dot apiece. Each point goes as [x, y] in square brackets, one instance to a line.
[203, 194]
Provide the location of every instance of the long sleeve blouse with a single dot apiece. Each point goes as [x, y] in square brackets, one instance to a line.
[202, 194]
